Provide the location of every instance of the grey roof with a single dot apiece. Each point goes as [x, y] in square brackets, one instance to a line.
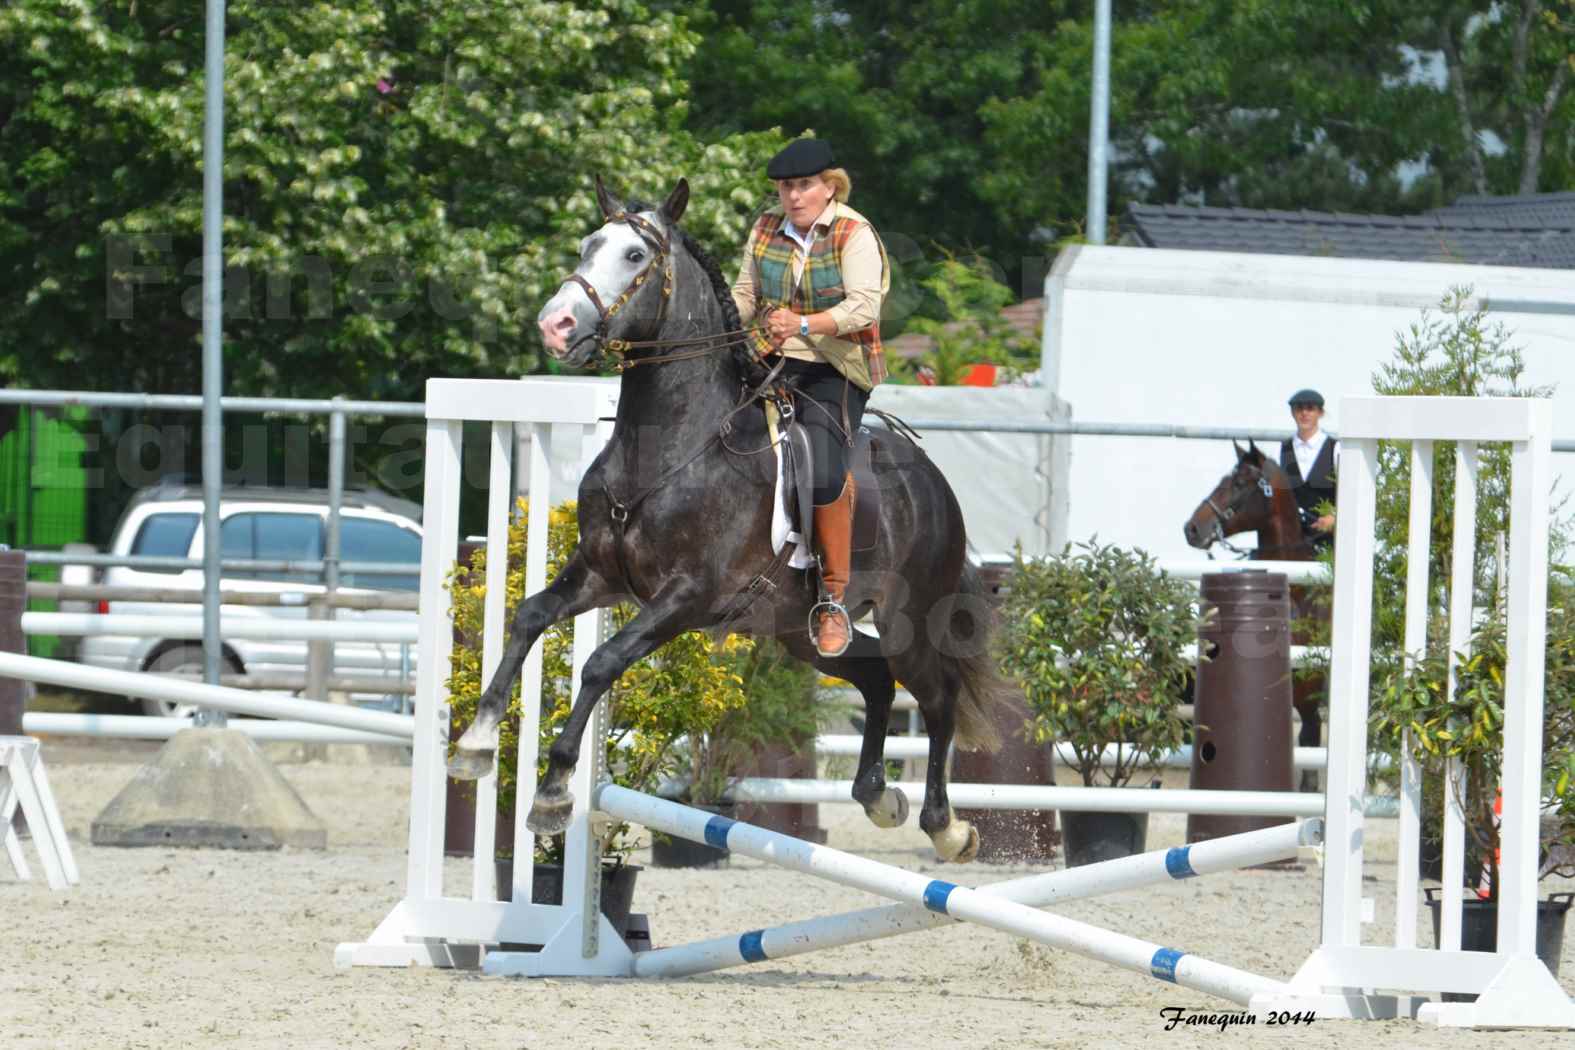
[1555, 210]
[1495, 231]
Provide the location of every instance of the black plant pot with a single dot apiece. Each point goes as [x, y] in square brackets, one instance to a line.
[1088, 838]
[669, 851]
[1479, 929]
[546, 887]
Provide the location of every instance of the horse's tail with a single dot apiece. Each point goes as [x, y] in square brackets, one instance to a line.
[984, 688]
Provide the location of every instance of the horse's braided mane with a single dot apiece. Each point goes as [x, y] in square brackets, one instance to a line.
[719, 285]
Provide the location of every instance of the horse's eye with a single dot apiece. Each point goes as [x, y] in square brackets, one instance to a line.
[634, 255]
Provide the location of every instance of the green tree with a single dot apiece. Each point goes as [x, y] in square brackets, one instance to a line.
[899, 89]
[404, 183]
[965, 325]
[1508, 67]
[1455, 352]
[966, 123]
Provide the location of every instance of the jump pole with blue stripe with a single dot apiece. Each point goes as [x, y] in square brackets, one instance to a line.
[958, 902]
[1036, 891]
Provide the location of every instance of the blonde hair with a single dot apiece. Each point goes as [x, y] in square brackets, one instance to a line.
[841, 185]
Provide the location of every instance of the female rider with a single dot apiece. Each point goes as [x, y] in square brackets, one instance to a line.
[814, 272]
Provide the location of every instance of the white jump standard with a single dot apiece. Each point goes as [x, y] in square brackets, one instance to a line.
[1038, 891]
[958, 902]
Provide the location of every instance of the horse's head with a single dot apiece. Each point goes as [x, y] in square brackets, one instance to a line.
[1243, 501]
[619, 290]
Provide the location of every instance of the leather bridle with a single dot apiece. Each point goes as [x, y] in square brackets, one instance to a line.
[1225, 514]
[662, 256]
[661, 246]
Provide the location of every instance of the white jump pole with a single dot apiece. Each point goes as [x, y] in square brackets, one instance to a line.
[219, 697]
[1041, 796]
[958, 902]
[1035, 891]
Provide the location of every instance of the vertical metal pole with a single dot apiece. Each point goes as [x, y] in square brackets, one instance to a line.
[212, 347]
[323, 651]
[1099, 124]
[13, 602]
[336, 496]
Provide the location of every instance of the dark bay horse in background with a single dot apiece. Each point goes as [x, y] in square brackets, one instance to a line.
[1256, 497]
[675, 514]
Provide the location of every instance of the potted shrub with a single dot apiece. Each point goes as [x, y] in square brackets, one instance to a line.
[1467, 728]
[1096, 637]
[781, 715]
[681, 687]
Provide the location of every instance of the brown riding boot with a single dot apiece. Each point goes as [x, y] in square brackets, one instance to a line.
[832, 627]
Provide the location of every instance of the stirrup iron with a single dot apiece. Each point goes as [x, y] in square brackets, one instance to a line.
[829, 607]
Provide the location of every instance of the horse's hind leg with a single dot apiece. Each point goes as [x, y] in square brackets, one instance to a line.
[1307, 693]
[863, 665]
[935, 683]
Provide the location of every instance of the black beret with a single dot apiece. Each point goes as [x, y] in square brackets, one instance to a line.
[1306, 397]
[801, 158]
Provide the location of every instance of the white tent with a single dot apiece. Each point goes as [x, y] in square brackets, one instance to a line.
[1144, 335]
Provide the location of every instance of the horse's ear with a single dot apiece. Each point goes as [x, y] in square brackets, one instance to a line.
[1240, 452]
[673, 207]
[609, 206]
[1254, 453]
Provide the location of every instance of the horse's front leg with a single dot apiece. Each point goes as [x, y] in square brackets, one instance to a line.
[670, 613]
[574, 590]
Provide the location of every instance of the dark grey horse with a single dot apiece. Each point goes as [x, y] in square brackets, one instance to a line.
[676, 514]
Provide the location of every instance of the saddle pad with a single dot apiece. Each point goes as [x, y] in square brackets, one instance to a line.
[782, 530]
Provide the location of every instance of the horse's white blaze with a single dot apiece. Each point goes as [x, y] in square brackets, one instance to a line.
[609, 269]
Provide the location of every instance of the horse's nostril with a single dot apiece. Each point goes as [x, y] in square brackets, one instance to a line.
[564, 324]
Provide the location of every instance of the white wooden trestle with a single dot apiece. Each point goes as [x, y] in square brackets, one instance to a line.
[1345, 977]
[24, 786]
[429, 927]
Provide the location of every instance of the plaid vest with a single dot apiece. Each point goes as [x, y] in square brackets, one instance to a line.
[857, 355]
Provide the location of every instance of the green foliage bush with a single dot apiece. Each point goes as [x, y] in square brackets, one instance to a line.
[966, 325]
[1095, 635]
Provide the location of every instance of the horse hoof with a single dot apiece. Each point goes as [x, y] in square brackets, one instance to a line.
[549, 814]
[469, 765]
[957, 843]
[890, 810]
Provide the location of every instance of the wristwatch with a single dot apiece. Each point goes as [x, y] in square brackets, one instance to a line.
[803, 326]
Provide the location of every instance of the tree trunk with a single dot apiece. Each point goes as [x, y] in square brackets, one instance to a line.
[1536, 126]
[1457, 88]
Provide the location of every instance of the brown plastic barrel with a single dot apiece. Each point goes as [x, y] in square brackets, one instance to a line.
[1009, 836]
[1022, 836]
[13, 599]
[793, 760]
[1242, 709]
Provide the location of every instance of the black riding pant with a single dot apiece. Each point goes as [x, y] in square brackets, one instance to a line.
[829, 390]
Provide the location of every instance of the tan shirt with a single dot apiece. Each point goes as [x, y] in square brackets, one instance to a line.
[861, 278]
